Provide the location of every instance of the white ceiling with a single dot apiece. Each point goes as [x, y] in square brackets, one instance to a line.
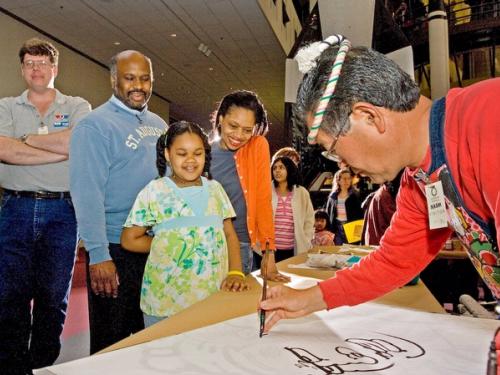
[245, 52]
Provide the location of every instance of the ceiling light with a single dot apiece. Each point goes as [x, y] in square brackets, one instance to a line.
[116, 43]
[210, 68]
[173, 35]
[203, 48]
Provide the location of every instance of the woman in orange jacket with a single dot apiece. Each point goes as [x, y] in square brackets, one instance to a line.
[240, 162]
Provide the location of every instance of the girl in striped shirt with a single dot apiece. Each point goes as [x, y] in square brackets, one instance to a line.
[293, 210]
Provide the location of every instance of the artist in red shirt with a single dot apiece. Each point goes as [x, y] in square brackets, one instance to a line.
[376, 121]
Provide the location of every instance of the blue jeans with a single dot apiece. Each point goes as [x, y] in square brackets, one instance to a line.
[246, 254]
[37, 254]
[340, 237]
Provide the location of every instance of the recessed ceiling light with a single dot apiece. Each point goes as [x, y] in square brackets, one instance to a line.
[162, 74]
[210, 68]
[173, 35]
[116, 43]
[203, 48]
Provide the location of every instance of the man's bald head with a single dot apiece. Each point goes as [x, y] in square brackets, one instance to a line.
[132, 78]
[125, 55]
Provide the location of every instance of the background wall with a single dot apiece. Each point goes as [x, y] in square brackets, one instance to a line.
[78, 76]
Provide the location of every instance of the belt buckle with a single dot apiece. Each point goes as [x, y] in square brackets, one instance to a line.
[46, 195]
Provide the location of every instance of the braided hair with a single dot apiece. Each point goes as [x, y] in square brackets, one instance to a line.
[242, 99]
[166, 139]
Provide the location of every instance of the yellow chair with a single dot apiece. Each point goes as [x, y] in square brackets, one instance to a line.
[353, 230]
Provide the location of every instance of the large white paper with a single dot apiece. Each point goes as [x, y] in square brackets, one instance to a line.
[366, 339]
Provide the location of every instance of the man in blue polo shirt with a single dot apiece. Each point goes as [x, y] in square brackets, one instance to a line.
[37, 220]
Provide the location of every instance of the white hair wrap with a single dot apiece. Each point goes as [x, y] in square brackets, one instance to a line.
[307, 57]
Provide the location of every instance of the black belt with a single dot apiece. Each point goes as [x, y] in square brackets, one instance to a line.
[38, 194]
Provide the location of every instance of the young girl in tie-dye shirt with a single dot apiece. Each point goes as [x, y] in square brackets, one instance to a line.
[194, 243]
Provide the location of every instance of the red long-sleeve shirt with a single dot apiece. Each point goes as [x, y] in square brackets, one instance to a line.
[472, 141]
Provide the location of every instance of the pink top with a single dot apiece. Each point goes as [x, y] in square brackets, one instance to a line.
[341, 211]
[283, 223]
[323, 238]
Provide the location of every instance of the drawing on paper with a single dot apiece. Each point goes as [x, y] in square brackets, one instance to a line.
[367, 339]
[373, 354]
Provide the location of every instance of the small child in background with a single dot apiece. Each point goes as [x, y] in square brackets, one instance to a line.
[322, 236]
[194, 239]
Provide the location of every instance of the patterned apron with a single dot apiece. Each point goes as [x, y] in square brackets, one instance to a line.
[478, 236]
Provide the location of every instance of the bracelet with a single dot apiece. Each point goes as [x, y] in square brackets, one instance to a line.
[236, 273]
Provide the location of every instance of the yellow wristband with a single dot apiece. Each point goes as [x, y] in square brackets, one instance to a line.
[236, 273]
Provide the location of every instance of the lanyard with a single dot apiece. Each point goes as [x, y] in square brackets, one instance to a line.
[475, 234]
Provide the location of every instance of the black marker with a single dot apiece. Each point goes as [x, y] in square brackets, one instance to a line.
[262, 314]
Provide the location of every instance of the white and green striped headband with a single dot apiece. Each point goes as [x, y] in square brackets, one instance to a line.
[307, 60]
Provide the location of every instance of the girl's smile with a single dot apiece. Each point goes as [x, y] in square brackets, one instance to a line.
[186, 156]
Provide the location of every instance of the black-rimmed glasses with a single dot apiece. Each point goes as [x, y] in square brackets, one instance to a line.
[330, 153]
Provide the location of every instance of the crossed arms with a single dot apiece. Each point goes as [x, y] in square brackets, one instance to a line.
[50, 148]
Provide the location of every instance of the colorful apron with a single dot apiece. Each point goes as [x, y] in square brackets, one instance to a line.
[478, 236]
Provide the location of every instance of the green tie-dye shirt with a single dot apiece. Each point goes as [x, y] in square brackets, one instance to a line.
[189, 258]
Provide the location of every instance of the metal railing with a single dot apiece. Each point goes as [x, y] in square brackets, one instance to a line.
[459, 12]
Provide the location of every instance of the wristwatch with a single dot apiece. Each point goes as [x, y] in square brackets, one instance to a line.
[23, 138]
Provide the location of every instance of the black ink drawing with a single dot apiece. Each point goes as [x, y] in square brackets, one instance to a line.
[375, 354]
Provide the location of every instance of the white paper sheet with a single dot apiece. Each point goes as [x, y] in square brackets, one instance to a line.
[366, 339]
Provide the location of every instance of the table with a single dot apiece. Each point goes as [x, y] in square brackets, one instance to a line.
[228, 305]
[452, 254]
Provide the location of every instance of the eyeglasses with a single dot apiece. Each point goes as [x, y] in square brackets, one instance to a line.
[41, 64]
[330, 153]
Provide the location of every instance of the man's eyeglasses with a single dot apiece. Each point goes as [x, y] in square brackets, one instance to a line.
[41, 64]
[330, 153]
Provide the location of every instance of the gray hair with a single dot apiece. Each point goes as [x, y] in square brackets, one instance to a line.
[366, 76]
[114, 61]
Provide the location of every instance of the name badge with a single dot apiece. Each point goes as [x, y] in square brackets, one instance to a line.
[436, 206]
[61, 120]
[43, 129]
